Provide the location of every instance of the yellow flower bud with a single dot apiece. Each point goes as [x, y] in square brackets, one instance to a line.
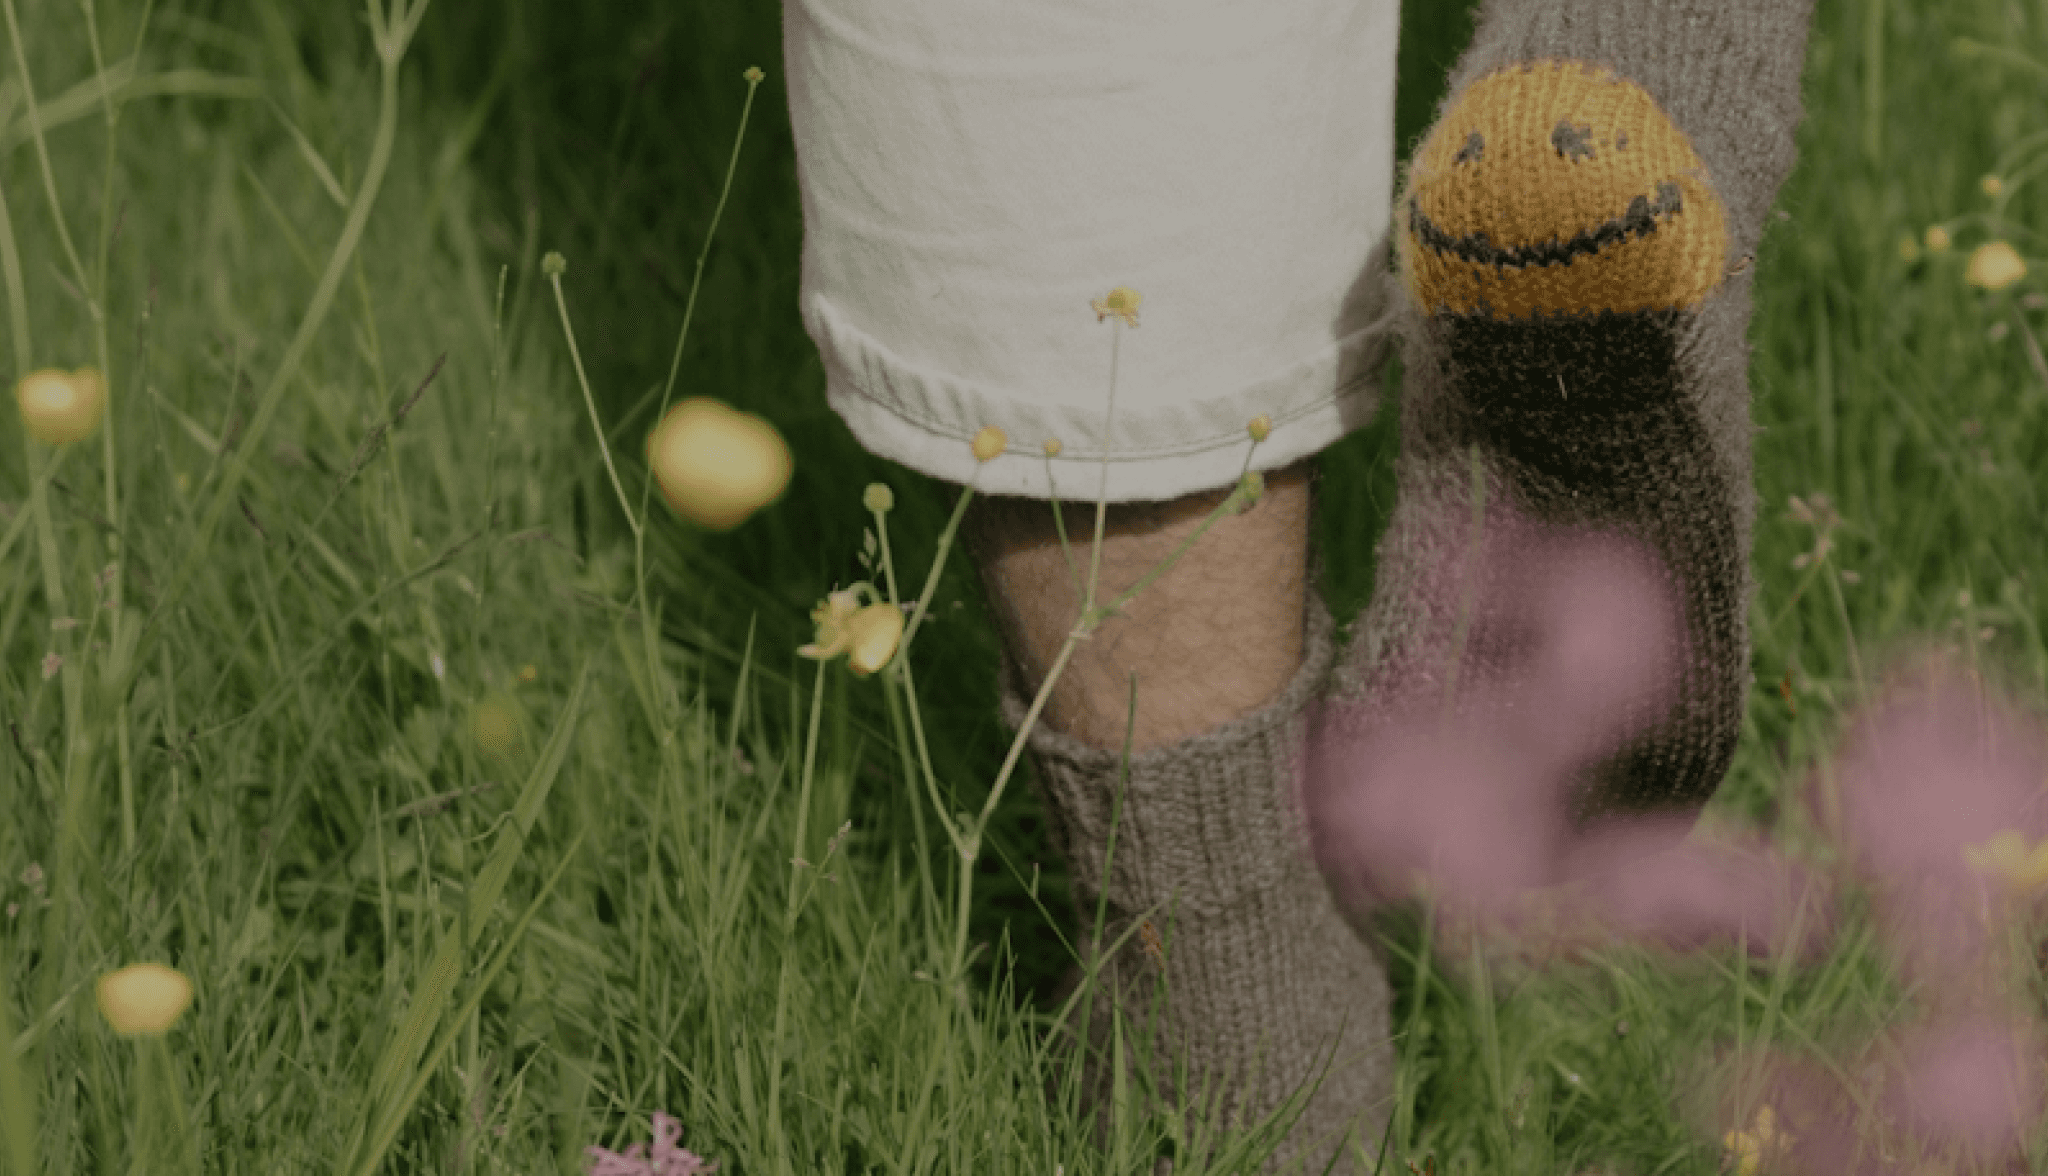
[1121, 302]
[988, 443]
[553, 263]
[878, 498]
[61, 407]
[143, 999]
[1909, 249]
[715, 465]
[875, 630]
[1995, 266]
[753, 73]
[1992, 185]
[1261, 427]
[1937, 239]
[1052, 446]
[528, 672]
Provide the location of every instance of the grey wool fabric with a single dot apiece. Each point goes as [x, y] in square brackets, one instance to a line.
[1582, 325]
[1576, 238]
[1254, 948]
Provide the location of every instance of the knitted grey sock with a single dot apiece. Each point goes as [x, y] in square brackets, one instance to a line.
[1257, 958]
[1576, 235]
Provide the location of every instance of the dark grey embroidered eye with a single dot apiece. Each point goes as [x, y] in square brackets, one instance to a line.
[1474, 148]
[1573, 142]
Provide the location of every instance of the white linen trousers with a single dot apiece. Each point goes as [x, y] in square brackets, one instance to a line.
[974, 173]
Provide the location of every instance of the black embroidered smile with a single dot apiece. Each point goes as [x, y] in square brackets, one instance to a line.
[1639, 221]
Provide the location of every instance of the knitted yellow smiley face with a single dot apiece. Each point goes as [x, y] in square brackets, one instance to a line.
[1554, 187]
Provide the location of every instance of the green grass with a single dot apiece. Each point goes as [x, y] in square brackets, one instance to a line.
[228, 772]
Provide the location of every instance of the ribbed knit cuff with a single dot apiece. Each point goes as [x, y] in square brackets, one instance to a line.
[1204, 815]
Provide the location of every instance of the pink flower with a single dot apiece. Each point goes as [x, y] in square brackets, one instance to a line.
[1962, 1089]
[1929, 774]
[669, 1158]
[1571, 649]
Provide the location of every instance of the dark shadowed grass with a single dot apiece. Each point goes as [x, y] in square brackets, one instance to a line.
[288, 796]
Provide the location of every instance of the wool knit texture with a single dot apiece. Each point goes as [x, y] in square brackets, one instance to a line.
[1258, 957]
[1577, 234]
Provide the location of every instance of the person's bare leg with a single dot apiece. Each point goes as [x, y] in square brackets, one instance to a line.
[1212, 639]
[1229, 647]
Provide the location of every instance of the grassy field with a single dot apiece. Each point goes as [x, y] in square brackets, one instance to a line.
[336, 676]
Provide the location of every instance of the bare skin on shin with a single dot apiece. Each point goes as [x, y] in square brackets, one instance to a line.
[1213, 639]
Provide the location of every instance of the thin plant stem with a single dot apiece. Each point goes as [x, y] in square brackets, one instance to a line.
[803, 809]
[965, 841]
[1102, 490]
[596, 426]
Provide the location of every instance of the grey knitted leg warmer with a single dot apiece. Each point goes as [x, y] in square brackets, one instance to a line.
[1576, 236]
[1257, 959]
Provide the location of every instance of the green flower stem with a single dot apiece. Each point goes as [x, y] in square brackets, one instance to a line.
[803, 810]
[576, 358]
[123, 752]
[171, 1100]
[899, 664]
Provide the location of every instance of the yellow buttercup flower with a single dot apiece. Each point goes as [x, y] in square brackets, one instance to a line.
[1994, 266]
[1121, 302]
[2009, 855]
[1761, 1144]
[830, 618]
[1937, 239]
[143, 999]
[1052, 446]
[989, 442]
[716, 465]
[61, 407]
[868, 635]
[1992, 185]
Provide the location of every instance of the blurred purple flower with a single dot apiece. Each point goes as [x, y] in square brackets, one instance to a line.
[1957, 1090]
[1571, 649]
[669, 1158]
[1927, 778]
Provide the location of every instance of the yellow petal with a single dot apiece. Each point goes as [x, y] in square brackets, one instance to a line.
[716, 466]
[876, 630]
[1994, 266]
[143, 999]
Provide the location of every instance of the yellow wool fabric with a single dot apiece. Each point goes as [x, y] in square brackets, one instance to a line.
[1557, 187]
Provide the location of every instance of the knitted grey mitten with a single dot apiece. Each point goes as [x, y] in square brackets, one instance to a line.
[1257, 958]
[1576, 235]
